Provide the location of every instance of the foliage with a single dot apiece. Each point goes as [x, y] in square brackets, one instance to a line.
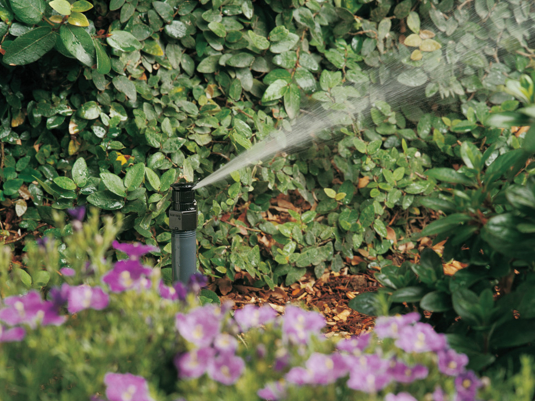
[489, 224]
[122, 342]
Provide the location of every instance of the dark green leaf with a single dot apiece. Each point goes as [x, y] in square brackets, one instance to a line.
[446, 224]
[103, 61]
[275, 91]
[106, 200]
[466, 304]
[367, 303]
[124, 41]
[113, 183]
[292, 101]
[31, 46]
[134, 176]
[408, 294]
[80, 173]
[28, 11]
[79, 43]
[436, 301]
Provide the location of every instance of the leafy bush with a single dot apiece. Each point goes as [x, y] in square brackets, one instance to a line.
[109, 103]
[489, 225]
[126, 335]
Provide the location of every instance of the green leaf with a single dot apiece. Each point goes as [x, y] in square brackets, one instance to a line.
[103, 61]
[209, 295]
[367, 303]
[176, 30]
[61, 6]
[153, 178]
[28, 11]
[446, 224]
[294, 275]
[466, 304]
[79, 43]
[307, 258]
[106, 200]
[113, 183]
[134, 176]
[513, 334]
[331, 193]
[412, 78]
[292, 101]
[438, 204]
[408, 294]
[471, 155]
[78, 19]
[89, 110]
[275, 91]
[31, 46]
[379, 227]
[80, 172]
[286, 44]
[413, 22]
[65, 183]
[450, 175]
[124, 85]
[218, 28]
[164, 9]
[241, 60]
[436, 301]
[124, 41]
[81, 6]
[152, 47]
[259, 41]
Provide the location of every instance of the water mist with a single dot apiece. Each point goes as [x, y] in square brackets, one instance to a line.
[402, 82]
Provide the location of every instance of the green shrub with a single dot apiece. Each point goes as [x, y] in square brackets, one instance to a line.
[489, 225]
[114, 331]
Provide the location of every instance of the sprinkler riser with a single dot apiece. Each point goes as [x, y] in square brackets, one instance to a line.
[183, 224]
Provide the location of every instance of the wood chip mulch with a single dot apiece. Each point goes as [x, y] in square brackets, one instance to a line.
[329, 295]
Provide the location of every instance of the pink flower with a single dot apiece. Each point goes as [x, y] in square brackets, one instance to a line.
[193, 364]
[134, 251]
[299, 324]
[126, 387]
[84, 297]
[252, 316]
[15, 334]
[272, 391]
[67, 271]
[226, 369]
[127, 275]
[407, 374]
[391, 326]
[30, 309]
[201, 325]
[400, 397]
[177, 292]
[451, 363]
[420, 338]
[354, 345]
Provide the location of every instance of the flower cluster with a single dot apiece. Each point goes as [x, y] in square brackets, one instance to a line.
[30, 309]
[214, 352]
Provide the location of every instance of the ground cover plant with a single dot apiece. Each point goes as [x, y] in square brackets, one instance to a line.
[109, 103]
[115, 331]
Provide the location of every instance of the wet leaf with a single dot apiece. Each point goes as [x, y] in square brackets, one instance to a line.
[413, 40]
[31, 46]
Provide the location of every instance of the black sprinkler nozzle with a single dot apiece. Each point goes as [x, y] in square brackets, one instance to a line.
[183, 224]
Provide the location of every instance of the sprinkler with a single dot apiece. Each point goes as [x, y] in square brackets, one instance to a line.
[183, 224]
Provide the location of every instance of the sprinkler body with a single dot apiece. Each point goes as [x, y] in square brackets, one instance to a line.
[183, 224]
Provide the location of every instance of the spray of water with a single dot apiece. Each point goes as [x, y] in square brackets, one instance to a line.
[402, 82]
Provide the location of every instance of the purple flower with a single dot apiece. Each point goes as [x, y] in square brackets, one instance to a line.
[400, 397]
[299, 324]
[261, 351]
[15, 334]
[193, 364]
[354, 345]
[45, 242]
[178, 291]
[201, 325]
[252, 316]
[226, 369]
[60, 296]
[451, 363]
[273, 391]
[326, 369]
[299, 376]
[225, 343]
[282, 359]
[438, 394]
[127, 275]
[84, 297]
[405, 374]
[196, 282]
[420, 338]
[121, 387]
[134, 251]
[368, 373]
[30, 309]
[391, 326]
[466, 385]
[67, 271]
[77, 213]
[368, 381]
